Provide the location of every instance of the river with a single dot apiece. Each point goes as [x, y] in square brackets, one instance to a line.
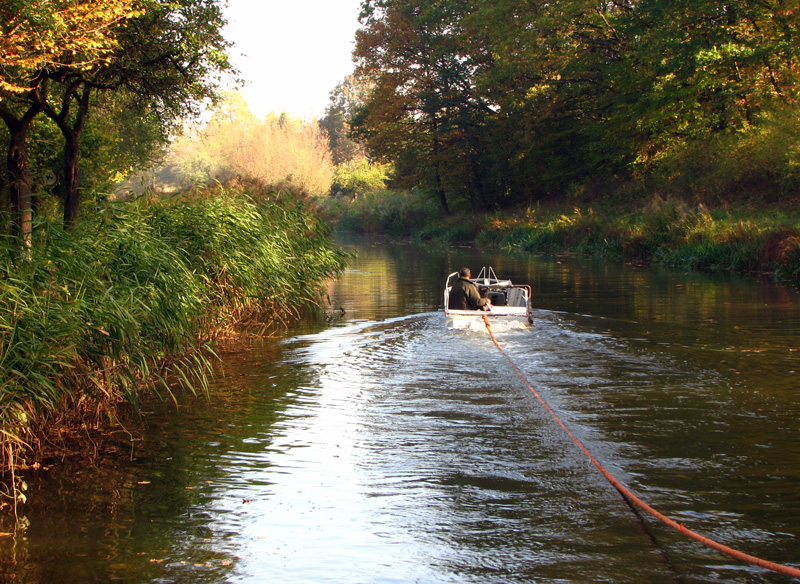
[375, 445]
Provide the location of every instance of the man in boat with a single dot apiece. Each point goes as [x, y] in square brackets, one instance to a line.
[464, 294]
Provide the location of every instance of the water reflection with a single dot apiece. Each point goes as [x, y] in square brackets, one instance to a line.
[377, 446]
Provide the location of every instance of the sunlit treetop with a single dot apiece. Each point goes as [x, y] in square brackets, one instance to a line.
[41, 36]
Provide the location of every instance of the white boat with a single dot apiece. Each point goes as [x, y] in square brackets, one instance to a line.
[510, 303]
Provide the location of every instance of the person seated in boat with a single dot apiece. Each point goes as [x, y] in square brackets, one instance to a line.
[464, 294]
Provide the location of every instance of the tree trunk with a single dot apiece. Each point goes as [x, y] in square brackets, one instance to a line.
[20, 183]
[71, 195]
[437, 174]
[440, 192]
[72, 137]
[70, 191]
[19, 176]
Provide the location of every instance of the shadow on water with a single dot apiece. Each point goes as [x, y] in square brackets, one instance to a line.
[378, 446]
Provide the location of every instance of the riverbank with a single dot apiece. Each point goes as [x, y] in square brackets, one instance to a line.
[754, 237]
[130, 301]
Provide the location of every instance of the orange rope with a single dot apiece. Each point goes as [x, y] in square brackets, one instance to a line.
[628, 495]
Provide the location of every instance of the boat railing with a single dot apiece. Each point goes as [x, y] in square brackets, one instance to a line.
[518, 295]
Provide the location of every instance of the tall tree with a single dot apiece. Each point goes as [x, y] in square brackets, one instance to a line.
[39, 38]
[531, 97]
[424, 111]
[168, 60]
[713, 67]
[167, 57]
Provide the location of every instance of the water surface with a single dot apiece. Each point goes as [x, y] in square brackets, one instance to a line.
[378, 446]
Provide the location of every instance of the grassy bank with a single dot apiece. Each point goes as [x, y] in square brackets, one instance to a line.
[746, 237]
[127, 301]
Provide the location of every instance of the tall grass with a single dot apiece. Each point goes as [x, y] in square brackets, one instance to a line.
[127, 300]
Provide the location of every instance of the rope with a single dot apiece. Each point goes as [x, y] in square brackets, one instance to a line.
[629, 496]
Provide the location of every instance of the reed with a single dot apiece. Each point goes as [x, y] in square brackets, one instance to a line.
[129, 300]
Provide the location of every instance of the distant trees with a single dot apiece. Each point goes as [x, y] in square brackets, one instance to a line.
[277, 152]
[346, 98]
[65, 59]
[355, 173]
[488, 102]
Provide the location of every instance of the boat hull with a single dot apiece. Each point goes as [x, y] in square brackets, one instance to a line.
[497, 316]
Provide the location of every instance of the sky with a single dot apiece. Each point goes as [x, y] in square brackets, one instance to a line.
[292, 53]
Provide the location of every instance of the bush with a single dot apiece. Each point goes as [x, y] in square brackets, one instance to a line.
[352, 180]
[388, 212]
[757, 161]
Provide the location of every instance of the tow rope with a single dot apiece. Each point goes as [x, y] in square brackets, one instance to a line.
[633, 499]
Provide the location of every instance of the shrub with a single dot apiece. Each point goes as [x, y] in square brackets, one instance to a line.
[387, 212]
[359, 178]
[760, 160]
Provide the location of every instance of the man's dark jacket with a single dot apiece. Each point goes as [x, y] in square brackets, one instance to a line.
[464, 295]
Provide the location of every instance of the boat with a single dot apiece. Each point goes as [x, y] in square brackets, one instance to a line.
[510, 303]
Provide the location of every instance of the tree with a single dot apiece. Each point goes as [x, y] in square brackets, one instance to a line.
[43, 35]
[424, 111]
[501, 100]
[166, 60]
[346, 98]
[167, 57]
[40, 37]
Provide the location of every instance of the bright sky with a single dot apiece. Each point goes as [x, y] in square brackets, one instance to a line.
[292, 53]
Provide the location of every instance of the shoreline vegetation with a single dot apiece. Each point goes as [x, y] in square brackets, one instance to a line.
[621, 129]
[748, 237]
[130, 300]
[625, 131]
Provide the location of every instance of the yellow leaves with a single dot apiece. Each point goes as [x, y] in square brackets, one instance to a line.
[47, 34]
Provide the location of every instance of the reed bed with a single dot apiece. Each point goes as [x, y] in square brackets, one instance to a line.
[129, 299]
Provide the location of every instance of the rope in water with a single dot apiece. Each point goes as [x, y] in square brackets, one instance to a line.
[629, 496]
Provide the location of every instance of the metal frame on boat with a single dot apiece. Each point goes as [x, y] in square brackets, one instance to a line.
[510, 302]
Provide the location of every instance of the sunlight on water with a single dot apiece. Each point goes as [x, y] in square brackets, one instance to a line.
[382, 446]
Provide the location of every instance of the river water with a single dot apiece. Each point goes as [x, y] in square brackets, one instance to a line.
[375, 445]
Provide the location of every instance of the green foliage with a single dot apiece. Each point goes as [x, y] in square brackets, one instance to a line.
[502, 102]
[762, 160]
[119, 138]
[388, 212]
[665, 231]
[125, 300]
[359, 178]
